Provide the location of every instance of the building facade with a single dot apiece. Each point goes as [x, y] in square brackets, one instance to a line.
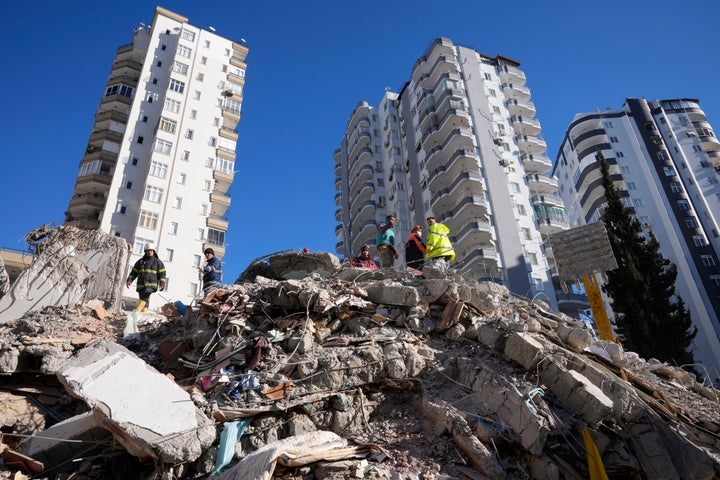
[664, 159]
[161, 155]
[460, 142]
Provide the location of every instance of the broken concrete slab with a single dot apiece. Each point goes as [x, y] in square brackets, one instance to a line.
[149, 414]
[74, 266]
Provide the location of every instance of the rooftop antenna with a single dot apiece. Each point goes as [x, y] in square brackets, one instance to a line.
[211, 28]
[243, 40]
[142, 25]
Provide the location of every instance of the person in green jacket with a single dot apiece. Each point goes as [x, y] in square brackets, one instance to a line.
[438, 242]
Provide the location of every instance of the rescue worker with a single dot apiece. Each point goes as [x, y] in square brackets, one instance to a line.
[438, 242]
[385, 242]
[415, 248]
[211, 272]
[150, 273]
[364, 260]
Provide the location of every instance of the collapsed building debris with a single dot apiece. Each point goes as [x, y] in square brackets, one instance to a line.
[335, 372]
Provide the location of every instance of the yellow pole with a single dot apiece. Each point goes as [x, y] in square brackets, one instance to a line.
[602, 322]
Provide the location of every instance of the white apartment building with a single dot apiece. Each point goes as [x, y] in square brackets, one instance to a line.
[459, 142]
[161, 155]
[664, 159]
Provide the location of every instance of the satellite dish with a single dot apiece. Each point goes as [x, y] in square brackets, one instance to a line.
[212, 29]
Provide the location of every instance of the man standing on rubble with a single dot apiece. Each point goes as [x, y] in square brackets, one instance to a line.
[385, 242]
[150, 273]
[211, 272]
[438, 242]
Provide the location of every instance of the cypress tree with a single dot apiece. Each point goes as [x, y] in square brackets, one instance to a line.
[650, 317]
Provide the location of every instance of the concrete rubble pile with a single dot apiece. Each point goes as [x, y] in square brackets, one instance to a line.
[308, 369]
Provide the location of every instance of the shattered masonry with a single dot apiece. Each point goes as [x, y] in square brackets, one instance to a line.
[311, 369]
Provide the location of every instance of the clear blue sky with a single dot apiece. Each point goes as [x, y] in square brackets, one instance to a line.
[309, 65]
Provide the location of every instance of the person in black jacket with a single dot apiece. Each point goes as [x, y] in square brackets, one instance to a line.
[150, 274]
[211, 272]
[415, 248]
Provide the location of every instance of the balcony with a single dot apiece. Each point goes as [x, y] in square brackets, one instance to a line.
[511, 74]
[104, 119]
[514, 90]
[363, 193]
[338, 183]
[231, 119]
[362, 140]
[93, 153]
[466, 183]
[714, 157]
[550, 219]
[223, 178]
[338, 167]
[126, 66]
[229, 134]
[475, 232]
[116, 102]
[86, 204]
[481, 263]
[339, 214]
[518, 106]
[93, 182]
[363, 159]
[220, 202]
[531, 145]
[218, 222]
[550, 199]
[542, 184]
[99, 136]
[526, 126]
[709, 142]
[442, 48]
[536, 163]
[338, 199]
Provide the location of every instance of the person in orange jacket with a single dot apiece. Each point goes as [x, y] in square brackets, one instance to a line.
[415, 248]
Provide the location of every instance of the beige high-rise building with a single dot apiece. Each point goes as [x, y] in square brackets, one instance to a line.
[460, 142]
[161, 155]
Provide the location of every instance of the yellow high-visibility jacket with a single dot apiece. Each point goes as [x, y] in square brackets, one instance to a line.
[438, 242]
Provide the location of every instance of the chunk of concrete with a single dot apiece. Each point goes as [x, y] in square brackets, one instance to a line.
[148, 413]
[74, 266]
[393, 293]
[524, 349]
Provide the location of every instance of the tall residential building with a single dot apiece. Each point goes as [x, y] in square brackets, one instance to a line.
[459, 142]
[664, 159]
[161, 155]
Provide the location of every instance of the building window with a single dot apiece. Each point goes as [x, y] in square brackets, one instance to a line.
[169, 252]
[683, 205]
[188, 35]
[614, 140]
[697, 148]
[189, 134]
[203, 60]
[163, 146]
[181, 178]
[492, 92]
[158, 169]
[527, 234]
[153, 194]
[380, 182]
[521, 210]
[163, 47]
[631, 186]
[715, 280]
[173, 228]
[675, 187]
[154, 81]
[123, 210]
[167, 125]
[207, 43]
[213, 141]
[134, 161]
[139, 244]
[662, 156]
[699, 240]
[176, 86]
[150, 97]
[533, 258]
[515, 187]
[184, 51]
[638, 202]
[203, 209]
[193, 114]
[119, 89]
[196, 260]
[180, 68]
[227, 52]
[691, 222]
[207, 185]
[669, 171]
[148, 219]
[199, 234]
[216, 122]
[707, 260]
[172, 105]
[177, 203]
[233, 106]
[186, 155]
[200, 77]
[216, 237]
[196, 94]
[607, 125]
[140, 139]
[209, 163]
[193, 289]
[619, 154]
[128, 185]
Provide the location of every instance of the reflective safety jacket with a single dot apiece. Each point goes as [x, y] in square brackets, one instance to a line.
[438, 242]
[149, 271]
[212, 273]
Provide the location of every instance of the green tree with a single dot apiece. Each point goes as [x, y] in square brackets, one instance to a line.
[650, 317]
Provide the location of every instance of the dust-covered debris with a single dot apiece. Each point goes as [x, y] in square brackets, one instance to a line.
[432, 377]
